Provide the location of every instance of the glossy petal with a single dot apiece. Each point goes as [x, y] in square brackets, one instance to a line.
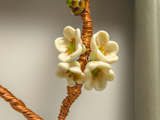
[93, 56]
[81, 79]
[90, 66]
[77, 52]
[64, 66]
[64, 57]
[74, 67]
[111, 58]
[89, 83]
[69, 33]
[87, 72]
[74, 63]
[102, 37]
[98, 82]
[59, 73]
[83, 49]
[108, 75]
[103, 65]
[111, 47]
[103, 49]
[101, 57]
[78, 36]
[93, 44]
[61, 43]
[70, 82]
[65, 45]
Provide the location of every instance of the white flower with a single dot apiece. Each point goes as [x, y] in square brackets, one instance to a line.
[97, 74]
[102, 49]
[71, 71]
[70, 46]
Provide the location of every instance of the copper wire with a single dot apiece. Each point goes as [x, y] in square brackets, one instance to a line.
[74, 92]
[18, 105]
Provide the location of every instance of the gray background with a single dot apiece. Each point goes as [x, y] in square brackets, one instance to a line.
[28, 58]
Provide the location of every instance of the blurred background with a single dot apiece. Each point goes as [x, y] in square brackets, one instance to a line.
[28, 59]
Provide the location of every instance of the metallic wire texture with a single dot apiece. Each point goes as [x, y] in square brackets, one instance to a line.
[18, 105]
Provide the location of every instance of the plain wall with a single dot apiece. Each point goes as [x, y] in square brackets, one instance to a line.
[28, 59]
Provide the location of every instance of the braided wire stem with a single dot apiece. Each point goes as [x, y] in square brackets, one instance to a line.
[17, 104]
[74, 92]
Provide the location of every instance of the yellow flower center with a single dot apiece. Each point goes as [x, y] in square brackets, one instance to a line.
[101, 48]
[72, 47]
[72, 75]
[95, 72]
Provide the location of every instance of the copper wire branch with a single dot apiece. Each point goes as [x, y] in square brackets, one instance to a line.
[18, 105]
[74, 92]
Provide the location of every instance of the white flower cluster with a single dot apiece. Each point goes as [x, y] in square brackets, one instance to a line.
[97, 71]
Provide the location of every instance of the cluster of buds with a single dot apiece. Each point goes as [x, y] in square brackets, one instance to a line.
[98, 70]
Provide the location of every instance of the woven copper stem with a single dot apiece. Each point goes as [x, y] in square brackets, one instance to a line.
[86, 35]
[74, 92]
[18, 105]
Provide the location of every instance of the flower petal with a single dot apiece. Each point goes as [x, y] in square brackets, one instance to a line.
[111, 47]
[101, 56]
[61, 44]
[111, 58]
[69, 33]
[93, 44]
[81, 79]
[64, 66]
[87, 72]
[100, 84]
[90, 66]
[93, 56]
[108, 75]
[75, 69]
[74, 63]
[77, 52]
[78, 36]
[89, 83]
[64, 57]
[102, 38]
[83, 49]
[59, 73]
[70, 82]
[103, 65]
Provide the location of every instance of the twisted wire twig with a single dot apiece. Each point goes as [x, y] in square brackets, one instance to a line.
[18, 105]
[74, 92]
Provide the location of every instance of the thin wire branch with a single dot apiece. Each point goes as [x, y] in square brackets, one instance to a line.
[17, 104]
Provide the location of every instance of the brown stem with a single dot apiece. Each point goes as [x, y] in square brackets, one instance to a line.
[18, 105]
[86, 34]
[74, 92]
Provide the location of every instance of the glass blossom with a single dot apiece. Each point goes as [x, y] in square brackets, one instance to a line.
[71, 71]
[102, 49]
[70, 46]
[97, 74]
